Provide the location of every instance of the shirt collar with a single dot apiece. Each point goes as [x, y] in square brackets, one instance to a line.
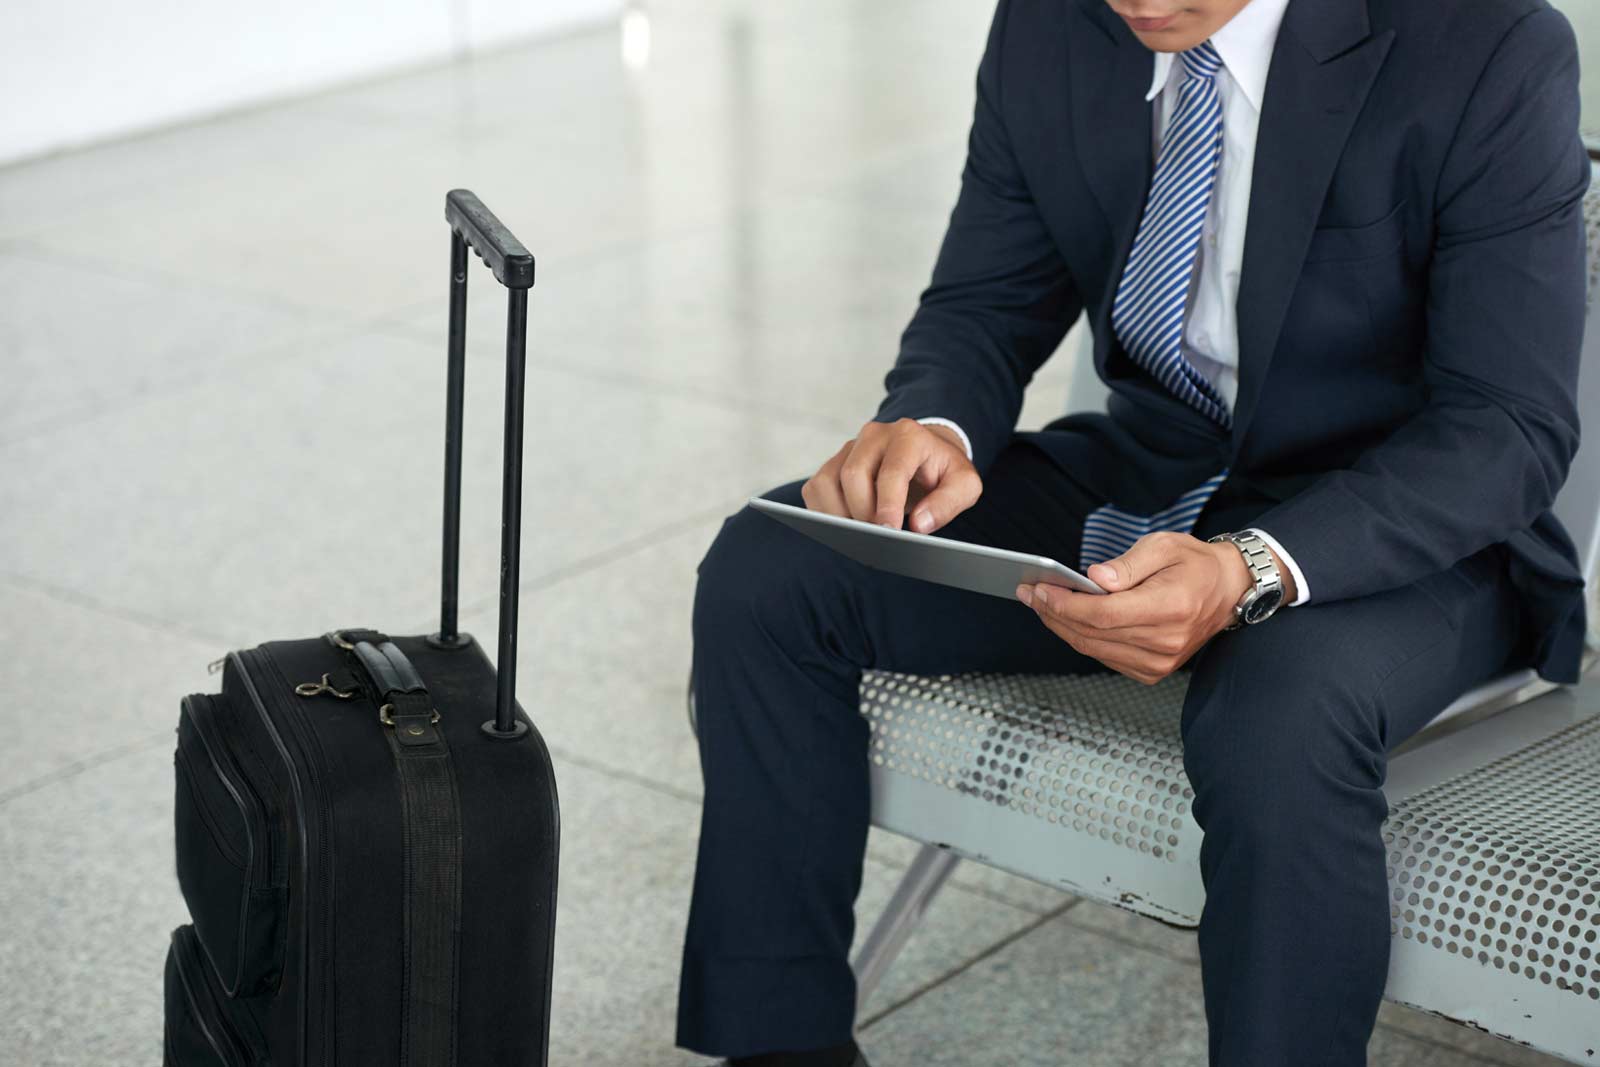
[1245, 44]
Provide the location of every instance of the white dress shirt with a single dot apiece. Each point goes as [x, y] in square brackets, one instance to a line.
[1211, 331]
[1210, 328]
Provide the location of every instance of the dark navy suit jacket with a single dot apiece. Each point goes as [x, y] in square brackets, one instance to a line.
[1410, 308]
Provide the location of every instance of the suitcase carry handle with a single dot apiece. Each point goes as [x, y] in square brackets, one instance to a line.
[511, 262]
[473, 225]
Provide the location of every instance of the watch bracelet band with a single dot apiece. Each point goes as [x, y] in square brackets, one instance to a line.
[1263, 571]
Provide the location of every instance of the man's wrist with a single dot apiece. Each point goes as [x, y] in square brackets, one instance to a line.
[1237, 579]
[948, 433]
[1285, 575]
[1294, 582]
[1241, 579]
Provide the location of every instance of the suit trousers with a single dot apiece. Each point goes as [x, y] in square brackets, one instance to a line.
[1285, 725]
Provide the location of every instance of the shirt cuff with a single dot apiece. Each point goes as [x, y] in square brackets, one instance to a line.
[966, 442]
[1302, 591]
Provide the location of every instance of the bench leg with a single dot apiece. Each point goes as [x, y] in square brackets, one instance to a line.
[901, 918]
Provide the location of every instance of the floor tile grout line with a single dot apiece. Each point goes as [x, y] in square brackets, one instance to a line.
[404, 315]
[333, 331]
[1062, 912]
[611, 770]
[1130, 942]
[533, 583]
[322, 326]
[960, 882]
[28, 244]
[25, 248]
[1190, 962]
[612, 554]
[317, 336]
[88, 763]
[1454, 1050]
[723, 400]
[1010, 939]
[84, 602]
[831, 194]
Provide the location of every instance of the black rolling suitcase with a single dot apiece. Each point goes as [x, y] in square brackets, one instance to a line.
[366, 825]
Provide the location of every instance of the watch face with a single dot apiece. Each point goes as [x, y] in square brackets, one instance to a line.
[1263, 605]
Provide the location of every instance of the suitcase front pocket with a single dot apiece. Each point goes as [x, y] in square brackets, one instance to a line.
[229, 844]
[203, 1028]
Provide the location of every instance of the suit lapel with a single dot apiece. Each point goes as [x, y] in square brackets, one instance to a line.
[1111, 127]
[1323, 65]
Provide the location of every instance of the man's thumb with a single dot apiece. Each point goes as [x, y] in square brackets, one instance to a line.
[1149, 554]
[955, 493]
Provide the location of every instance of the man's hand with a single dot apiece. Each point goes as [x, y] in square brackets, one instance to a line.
[1165, 597]
[892, 467]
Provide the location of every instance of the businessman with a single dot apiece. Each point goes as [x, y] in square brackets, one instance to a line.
[1332, 256]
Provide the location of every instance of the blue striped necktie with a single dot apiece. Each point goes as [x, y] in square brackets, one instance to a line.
[1147, 312]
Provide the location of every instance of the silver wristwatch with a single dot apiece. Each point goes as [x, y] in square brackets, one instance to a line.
[1266, 595]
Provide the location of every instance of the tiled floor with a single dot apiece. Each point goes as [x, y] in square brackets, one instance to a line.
[200, 327]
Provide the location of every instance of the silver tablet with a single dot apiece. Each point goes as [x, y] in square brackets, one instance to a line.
[996, 571]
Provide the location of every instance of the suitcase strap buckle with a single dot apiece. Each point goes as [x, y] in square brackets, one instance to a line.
[386, 715]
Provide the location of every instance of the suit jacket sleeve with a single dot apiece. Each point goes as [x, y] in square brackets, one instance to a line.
[1505, 310]
[1000, 299]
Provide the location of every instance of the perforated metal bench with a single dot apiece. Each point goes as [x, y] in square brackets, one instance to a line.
[1078, 782]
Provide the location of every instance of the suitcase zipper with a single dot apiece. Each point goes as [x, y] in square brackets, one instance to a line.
[205, 1009]
[239, 786]
[213, 827]
[259, 863]
[319, 947]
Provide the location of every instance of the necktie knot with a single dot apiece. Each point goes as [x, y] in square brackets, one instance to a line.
[1201, 61]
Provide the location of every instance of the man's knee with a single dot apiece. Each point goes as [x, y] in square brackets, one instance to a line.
[776, 615]
[761, 579]
[1275, 720]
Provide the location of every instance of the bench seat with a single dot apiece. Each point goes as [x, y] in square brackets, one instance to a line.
[1077, 781]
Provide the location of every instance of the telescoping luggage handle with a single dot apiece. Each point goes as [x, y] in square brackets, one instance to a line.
[473, 225]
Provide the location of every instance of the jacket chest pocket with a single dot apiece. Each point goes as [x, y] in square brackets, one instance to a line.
[1334, 244]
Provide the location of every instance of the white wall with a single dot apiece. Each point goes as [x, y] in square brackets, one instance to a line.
[75, 71]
